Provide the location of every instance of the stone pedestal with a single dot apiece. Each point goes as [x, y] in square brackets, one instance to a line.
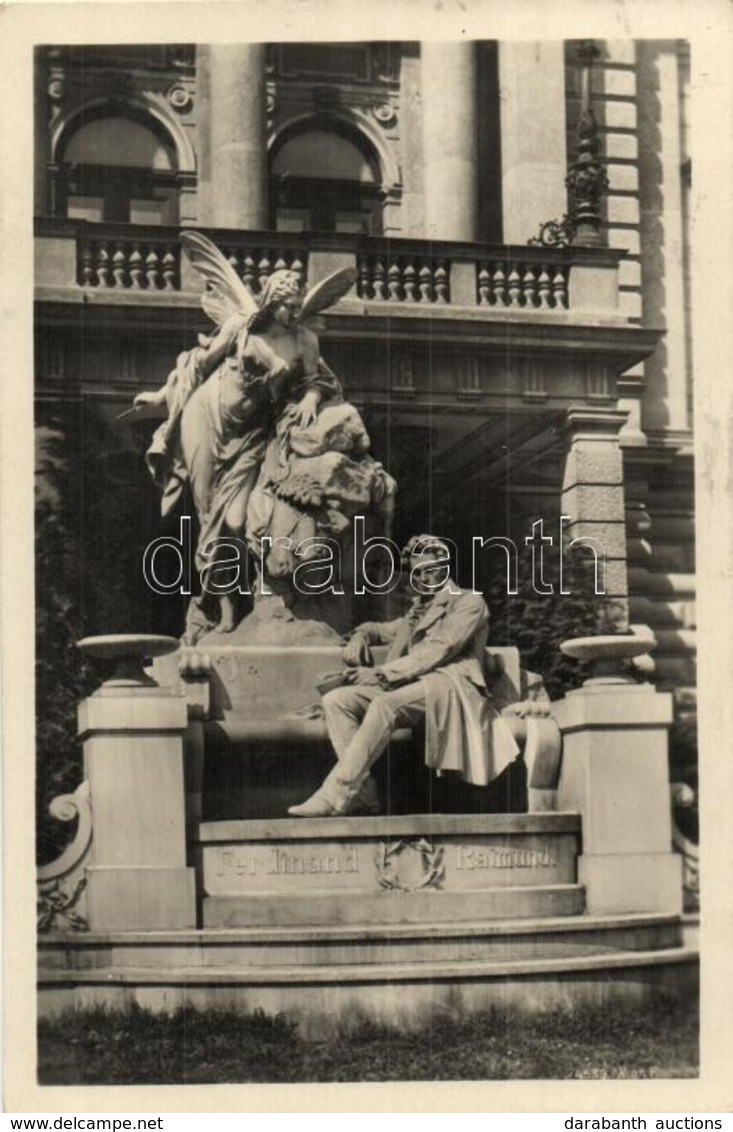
[614, 773]
[133, 754]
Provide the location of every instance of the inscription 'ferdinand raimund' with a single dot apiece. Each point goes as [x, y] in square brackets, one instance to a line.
[277, 862]
[479, 857]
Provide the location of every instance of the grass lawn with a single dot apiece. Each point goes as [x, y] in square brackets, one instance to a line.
[216, 1047]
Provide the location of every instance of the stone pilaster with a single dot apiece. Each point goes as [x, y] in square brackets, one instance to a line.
[593, 490]
[235, 150]
[667, 371]
[450, 152]
[532, 83]
[133, 754]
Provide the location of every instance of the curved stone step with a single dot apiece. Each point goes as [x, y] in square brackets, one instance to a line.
[509, 940]
[404, 995]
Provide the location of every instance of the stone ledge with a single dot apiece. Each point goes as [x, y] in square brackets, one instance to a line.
[206, 936]
[412, 825]
[363, 973]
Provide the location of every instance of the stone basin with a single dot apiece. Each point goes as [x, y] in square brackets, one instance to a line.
[130, 651]
[608, 646]
[607, 654]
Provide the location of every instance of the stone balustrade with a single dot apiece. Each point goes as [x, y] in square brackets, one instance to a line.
[490, 279]
[410, 276]
[140, 263]
[523, 284]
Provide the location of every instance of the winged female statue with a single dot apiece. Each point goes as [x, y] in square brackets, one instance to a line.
[257, 427]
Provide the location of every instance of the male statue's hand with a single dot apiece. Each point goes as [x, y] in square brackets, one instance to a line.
[362, 676]
[528, 709]
[356, 651]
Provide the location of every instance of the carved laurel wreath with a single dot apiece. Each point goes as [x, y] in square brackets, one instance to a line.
[431, 857]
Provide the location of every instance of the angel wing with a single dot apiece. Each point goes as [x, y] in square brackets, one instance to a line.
[327, 292]
[225, 292]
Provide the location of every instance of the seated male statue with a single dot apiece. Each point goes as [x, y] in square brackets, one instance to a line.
[433, 673]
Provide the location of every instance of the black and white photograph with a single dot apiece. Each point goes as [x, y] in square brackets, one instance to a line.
[361, 400]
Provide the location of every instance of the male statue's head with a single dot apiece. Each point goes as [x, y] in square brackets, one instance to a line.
[428, 560]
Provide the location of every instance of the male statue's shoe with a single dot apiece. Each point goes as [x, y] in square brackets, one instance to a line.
[317, 806]
[364, 802]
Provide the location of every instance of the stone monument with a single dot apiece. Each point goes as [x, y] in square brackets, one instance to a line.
[188, 884]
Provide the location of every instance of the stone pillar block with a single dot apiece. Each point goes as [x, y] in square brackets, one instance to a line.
[322, 263]
[55, 260]
[615, 774]
[593, 288]
[463, 283]
[133, 754]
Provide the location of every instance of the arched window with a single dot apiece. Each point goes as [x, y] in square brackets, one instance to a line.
[117, 168]
[325, 179]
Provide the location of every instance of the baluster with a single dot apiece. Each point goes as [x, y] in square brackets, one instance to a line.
[298, 267]
[425, 277]
[281, 263]
[560, 288]
[409, 276]
[248, 273]
[394, 276]
[529, 287]
[103, 266]
[151, 269]
[87, 265]
[500, 294]
[364, 287]
[379, 278]
[515, 290]
[544, 290]
[119, 266]
[233, 258]
[136, 267]
[169, 269]
[484, 286]
[264, 269]
[441, 281]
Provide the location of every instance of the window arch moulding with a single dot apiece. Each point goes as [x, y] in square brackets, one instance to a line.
[345, 119]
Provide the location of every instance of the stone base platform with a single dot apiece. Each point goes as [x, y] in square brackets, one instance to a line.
[395, 919]
[333, 978]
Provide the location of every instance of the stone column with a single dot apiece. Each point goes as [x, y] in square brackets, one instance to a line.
[593, 491]
[236, 153]
[450, 152]
[615, 774]
[133, 754]
[533, 143]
